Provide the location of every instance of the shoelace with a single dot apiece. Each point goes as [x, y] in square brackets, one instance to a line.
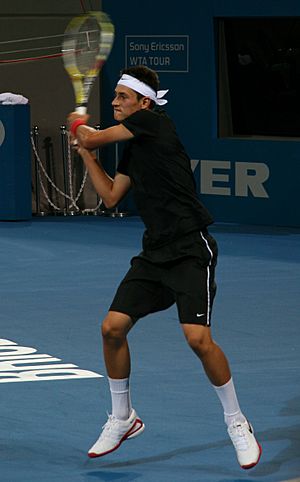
[108, 426]
[239, 434]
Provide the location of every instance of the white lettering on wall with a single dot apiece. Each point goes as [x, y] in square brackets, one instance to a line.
[2, 133]
[228, 178]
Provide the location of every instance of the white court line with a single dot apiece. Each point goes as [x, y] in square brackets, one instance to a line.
[291, 480]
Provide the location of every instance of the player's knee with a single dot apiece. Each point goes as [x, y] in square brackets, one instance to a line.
[112, 330]
[200, 345]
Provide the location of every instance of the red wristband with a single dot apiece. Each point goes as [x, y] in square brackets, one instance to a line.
[75, 125]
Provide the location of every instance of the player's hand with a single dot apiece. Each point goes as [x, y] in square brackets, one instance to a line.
[74, 115]
[82, 151]
[85, 154]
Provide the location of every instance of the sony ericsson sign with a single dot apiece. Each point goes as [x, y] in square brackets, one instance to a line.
[227, 178]
[163, 53]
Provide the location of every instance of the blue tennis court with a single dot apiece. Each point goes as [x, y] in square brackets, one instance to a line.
[58, 276]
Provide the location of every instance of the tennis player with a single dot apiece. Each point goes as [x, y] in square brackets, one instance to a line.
[178, 257]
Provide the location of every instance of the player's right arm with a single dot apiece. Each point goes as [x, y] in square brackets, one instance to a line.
[110, 190]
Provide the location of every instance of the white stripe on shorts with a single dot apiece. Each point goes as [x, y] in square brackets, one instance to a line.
[208, 277]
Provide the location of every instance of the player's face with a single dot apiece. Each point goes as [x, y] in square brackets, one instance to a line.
[126, 102]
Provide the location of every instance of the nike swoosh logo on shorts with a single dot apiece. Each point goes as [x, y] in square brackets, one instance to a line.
[198, 315]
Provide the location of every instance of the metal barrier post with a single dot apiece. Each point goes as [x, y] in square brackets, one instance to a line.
[64, 150]
[37, 187]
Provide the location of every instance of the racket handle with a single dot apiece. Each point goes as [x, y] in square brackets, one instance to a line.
[81, 110]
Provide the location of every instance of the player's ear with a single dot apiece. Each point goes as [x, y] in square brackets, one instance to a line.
[146, 103]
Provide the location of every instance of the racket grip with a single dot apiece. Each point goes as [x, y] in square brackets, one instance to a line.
[81, 110]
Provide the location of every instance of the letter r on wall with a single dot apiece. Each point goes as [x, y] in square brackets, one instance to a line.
[250, 176]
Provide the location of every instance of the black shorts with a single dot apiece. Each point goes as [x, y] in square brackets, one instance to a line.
[189, 282]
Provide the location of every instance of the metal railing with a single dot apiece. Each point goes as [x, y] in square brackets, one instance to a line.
[62, 200]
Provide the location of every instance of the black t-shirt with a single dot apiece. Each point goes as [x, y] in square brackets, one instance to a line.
[163, 184]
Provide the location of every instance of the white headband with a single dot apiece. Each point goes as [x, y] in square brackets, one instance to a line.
[143, 89]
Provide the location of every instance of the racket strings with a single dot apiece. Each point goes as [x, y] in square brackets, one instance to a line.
[87, 48]
[85, 51]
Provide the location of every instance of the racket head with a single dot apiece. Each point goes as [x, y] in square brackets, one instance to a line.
[87, 43]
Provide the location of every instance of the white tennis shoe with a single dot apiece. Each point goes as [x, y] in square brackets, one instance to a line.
[115, 432]
[247, 448]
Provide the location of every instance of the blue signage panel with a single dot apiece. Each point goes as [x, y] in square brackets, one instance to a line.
[15, 163]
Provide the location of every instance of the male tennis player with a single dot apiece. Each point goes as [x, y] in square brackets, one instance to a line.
[177, 263]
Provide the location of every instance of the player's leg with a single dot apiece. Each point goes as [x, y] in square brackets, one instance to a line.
[139, 294]
[217, 369]
[123, 423]
[192, 281]
[212, 357]
[115, 328]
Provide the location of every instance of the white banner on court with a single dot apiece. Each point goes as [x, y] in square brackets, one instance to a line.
[24, 364]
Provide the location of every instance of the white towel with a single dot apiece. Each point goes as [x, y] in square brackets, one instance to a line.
[8, 98]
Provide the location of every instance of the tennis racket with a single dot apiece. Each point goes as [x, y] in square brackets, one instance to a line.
[87, 43]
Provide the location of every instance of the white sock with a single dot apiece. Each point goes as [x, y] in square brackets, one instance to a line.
[120, 398]
[228, 398]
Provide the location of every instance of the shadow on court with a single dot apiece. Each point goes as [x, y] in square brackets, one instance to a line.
[167, 455]
[289, 454]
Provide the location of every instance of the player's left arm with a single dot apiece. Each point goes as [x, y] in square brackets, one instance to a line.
[91, 138]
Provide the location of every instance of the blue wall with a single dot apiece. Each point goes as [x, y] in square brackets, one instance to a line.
[244, 181]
